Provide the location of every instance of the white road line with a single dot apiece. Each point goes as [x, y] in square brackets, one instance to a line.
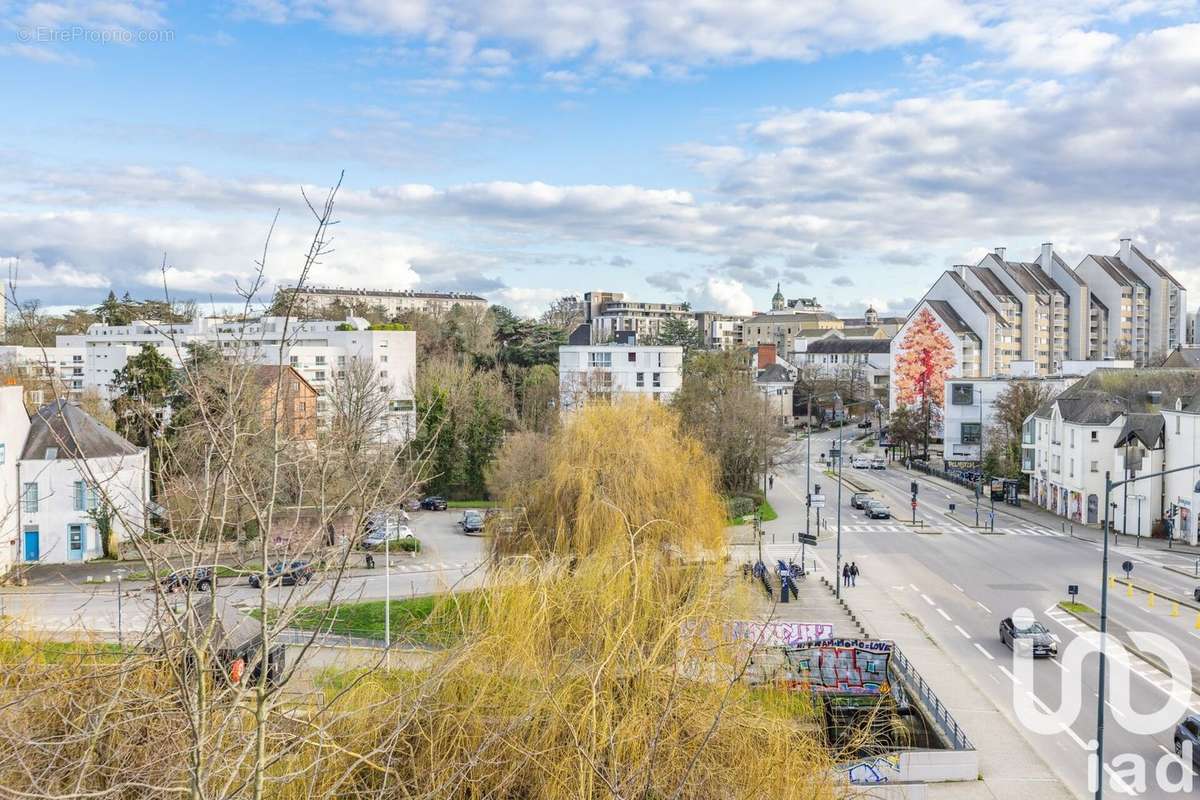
[981, 605]
[1124, 787]
[1065, 728]
[1011, 677]
[945, 616]
[956, 586]
[925, 597]
[1181, 761]
[964, 633]
[990, 657]
[914, 587]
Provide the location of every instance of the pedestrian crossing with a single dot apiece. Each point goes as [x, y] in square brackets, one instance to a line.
[426, 566]
[883, 527]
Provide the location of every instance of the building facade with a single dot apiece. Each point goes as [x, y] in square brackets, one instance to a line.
[611, 370]
[392, 302]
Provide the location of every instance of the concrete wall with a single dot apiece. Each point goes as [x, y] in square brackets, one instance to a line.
[1183, 449]
[14, 427]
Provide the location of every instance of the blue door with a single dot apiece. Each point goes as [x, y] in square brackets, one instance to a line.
[33, 549]
[75, 551]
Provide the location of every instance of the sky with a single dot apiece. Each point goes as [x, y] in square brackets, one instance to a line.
[698, 150]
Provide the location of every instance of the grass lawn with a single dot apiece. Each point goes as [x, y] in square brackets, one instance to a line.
[767, 512]
[421, 620]
[472, 503]
[1076, 608]
[223, 571]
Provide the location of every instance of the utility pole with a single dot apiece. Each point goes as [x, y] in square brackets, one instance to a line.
[837, 575]
[1101, 688]
[808, 466]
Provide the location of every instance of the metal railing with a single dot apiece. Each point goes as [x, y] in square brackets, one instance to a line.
[917, 685]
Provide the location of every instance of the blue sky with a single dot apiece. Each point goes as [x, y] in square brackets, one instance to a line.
[527, 149]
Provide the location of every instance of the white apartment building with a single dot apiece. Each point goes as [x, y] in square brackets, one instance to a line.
[391, 301]
[1112, 420]
[614, 369]
[1181, 431]
[63, 365]
[969, 412]
[645, 320]
[868, 360]
[320, 350]
[967, 349]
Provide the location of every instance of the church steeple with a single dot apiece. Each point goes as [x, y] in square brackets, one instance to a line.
[778, 301]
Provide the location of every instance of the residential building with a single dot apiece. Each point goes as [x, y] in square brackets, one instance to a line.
[1181, 432]
[776, 379]
[646, 320]
[44, 371]
[70, 470]
[615, 369]
[721, 331]
[392, 302]
[1125, 298]
[1110, 421]
[864, 363]
[298, 404]
[966, 349]
[1191, 329]
[872, 319]
[14, 430]
[320, 350]
[969, 413]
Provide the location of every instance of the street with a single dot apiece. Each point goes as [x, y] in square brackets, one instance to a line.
[959, 583]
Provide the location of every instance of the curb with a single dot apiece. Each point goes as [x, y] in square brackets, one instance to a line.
[1185, 603]
[853, 618]
[1178, 571]
[1149, 659]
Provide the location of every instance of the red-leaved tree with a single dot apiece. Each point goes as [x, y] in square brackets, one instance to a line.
[926, 358]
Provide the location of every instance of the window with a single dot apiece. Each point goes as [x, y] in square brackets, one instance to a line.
[341, 361]
[303, 406]
[30, 496]
[970, 433]
[319, 375]
[3, 455]
[294, 360]
[603, 360]
[1071, 468]
[321, 361]
[383, 359]
[76, 359]
[1072, 437]
[632, 357]
[76, 532]
[962, 394]
[656, 379]
[1177, 418]
[400, 405]
[1095, 436]
[80, 495]
[383, 373]
[51, 453]
[1094, 466]
[641, 380]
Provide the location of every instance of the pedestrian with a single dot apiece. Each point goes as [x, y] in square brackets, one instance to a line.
[370, 561]
[771, 482]
[853, 573]
[845, 574]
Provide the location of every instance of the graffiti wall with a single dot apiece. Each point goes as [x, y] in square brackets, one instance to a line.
[843, 666]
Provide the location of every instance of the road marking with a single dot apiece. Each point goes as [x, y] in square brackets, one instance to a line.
[1181, 761]
[1065, 728]
[945, 616]
[981, 605]
[964, 633]
[990, 657]
[1011, 677]
[1123, 786]
[925, 597]
[914, 587]
[956, 586]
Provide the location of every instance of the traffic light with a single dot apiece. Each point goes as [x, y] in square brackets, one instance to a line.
[914, 488]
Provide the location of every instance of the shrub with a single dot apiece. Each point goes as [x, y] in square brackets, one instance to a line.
[740, 506]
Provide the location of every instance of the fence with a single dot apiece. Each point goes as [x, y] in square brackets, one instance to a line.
[941, 715]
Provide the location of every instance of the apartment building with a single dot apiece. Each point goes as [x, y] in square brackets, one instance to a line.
[721, 331]
[606, 371]
[866, 361]
[45, 372]
[969, 412]
[1116, 421]
[1126, 299]
[391, 301]
[322, 351]
[1181, 490]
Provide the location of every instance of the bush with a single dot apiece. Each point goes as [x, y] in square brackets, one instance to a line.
[410, 545]
[345, 326]
[390, 326]
[740, 506]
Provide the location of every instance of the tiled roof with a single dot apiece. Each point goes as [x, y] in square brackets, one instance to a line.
[1108, 393]
[951, 317]
[68, 432]
[993, 284]
[1117, 270]
[1156, 267]
[836, 345]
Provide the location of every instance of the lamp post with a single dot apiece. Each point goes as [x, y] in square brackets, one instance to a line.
[119, 574]
[837, 575]
[387, 596]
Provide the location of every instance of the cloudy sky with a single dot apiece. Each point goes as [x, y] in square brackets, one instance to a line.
[526, 149]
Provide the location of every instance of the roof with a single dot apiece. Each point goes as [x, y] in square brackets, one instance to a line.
[1187, 357]
[798, 316]
[1107, 393]
[836, 345]
[950, 317]
[993, 284]
[1144, 428]
[1156, 267]
[62, 430]
[976, 297]
[1050, 285]
[859, 331]
[774, 373]
[383, 293]
[267, 374]
[1096, 301]
[1022, 273]
[1117, 270]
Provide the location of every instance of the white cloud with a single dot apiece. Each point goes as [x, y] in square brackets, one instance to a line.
[718, 294]
[528, 301]
[867, 97]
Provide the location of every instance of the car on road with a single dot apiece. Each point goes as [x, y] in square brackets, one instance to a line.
[1196, 594]
[435, 503]
[471, 522]
[376, 538]
[1032, 635]
[859, 500]
[878, 462]
[283, 573]
[877, 510]
[860, 462]
[866, 423]
[1188, 730]
[183, 580]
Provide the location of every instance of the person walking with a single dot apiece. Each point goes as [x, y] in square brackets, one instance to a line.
[845, 575]
[771, 481]
[853, 573]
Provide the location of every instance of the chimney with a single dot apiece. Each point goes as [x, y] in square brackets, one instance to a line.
[1047, 257]
[1126, 246]
[766, 355]
[1000, 252]
[961, 269]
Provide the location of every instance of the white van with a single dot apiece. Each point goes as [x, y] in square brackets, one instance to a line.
[860, 462]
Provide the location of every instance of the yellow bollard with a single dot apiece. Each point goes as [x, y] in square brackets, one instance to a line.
[1112, 581]
[1197, 625]
[1150, 599]
[1174, 609]
[1129, 590]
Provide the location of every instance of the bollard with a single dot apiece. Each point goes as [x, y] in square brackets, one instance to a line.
[1197, 625]
[1112, 581]
[1175, 609]
[1129, 590]
[1150, 600]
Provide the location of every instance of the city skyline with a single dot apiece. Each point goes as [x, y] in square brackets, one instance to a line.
[700, 157]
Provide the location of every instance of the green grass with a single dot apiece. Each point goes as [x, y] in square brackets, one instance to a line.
[767, 512]
[421, 620]
[1076, 608]
[222, 570]
[472, 503]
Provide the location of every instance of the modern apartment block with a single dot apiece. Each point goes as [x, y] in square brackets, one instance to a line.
[320, 350]
[614, 314]
[610, 370]
[392, 301]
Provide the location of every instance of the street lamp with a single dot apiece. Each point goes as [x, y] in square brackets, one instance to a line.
[119, 574]
[387, 596]
[837, 575]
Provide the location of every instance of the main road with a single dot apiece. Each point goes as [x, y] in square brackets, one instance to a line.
[959, 583]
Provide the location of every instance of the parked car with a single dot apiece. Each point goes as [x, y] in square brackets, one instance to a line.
[392, 531]
[283, 573]
[866, 423]
[878, 462]
[860, 499]
[1196, 594]
[434, 504]
[860, 462]
[1032, 635]
[877, 510]
[471, 522]
[412, 504]
[1188, 730]
[183, 580]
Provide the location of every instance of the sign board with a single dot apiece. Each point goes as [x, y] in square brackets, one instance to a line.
[1073, 589]
[818, 501]
[914, 505]
[808, 538]
[1128, 567]
[843, 666]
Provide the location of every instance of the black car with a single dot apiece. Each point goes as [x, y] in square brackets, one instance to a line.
[1196, 594]
[282, 573]
[471, 522]
[434, 504]
[1188, 731]
[1033, 636]
[859, 500]
[183, 580]
[877, 510]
